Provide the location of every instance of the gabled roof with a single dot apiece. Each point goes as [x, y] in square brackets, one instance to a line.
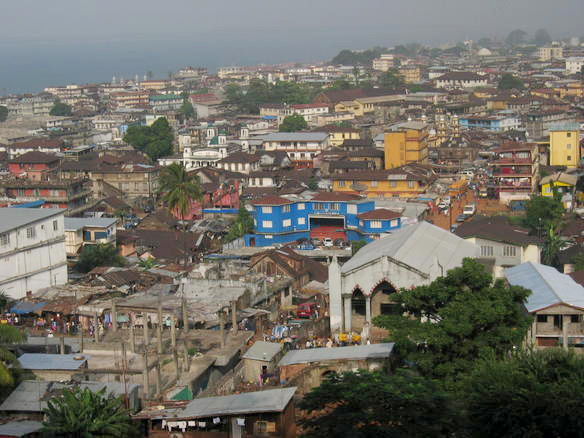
[359, 352]
[11, 218]
[35, 157]
[379, 214]
[417, 246]
[497, 229]
[548, 286]
[264, 351]
[273, 200]
[296, 136]
[42, 361]
[336, 197]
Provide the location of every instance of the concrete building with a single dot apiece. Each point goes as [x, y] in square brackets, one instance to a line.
[498, 123]
[53, 367]
[516, 170]
[361, 289]
[301, 147]
[461, 79]
[565, 145]
[550, 52]
[574, 64]
[384, 62]
[260, 360]
[88, 231]
[32, 250]
[406, 143]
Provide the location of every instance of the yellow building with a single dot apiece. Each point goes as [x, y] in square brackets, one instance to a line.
[411, 73]
[562, 182]
[565, 145]
[338, 134]
[406, 143]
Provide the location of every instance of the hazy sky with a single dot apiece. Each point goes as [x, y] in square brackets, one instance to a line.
[89, 40]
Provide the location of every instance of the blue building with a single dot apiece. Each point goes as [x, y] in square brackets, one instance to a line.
[489, 123]
[333, 215]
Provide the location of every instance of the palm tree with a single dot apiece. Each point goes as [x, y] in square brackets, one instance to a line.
[83, 413]
[8, 335]
[179, 189]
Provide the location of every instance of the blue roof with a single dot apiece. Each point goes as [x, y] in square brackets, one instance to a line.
[24, 307]
[33, 204]
[548, 286]
[42, 361]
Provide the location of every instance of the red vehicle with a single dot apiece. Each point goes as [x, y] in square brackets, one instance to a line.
[306, 310]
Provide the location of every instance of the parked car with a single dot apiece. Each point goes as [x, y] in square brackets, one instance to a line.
[461, 217]
[327, 241]
[469, 209]
[339, 242]
[316, 242]
[443, 205]
[306, 310]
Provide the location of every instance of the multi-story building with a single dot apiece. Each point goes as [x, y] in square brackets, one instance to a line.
[550, 52]
[411, 73]
[41, 144]
[130, 99]
[301, 147]
[165, 102]
[71, 195]
[241, 162]
[32, 250]
[461, 79]
[31, 106]
[226, 72]
[489, 123]
[406, 143]
[331, 215]
[565, 145]
[34, 166]
[384, 62]
[88, 231]
[516, 169]
[155, 84]
[574, 64]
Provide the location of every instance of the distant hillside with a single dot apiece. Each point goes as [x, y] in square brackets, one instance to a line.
[365, 57]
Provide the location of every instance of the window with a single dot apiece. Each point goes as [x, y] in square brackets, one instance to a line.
[335, 206]
[568, 146]
[55, 226]
[486, 251]
[394, 223]
[509, 251]
[569, 158]
[541, 318]
[4, 239]
[266, 209]
[267, 224]
[286, 209]
[375, 224]
[393, 184]
[318, 206]
[287, 222]
[568, 134]
[301, 221]
[341, 183]
[575, 319]
[351, 209]
[301, 206]
[373, 184]
[411, 184]
[269, 236]
[31, 232]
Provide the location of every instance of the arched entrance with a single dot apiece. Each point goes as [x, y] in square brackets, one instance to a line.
[358, 309]
[381, 300]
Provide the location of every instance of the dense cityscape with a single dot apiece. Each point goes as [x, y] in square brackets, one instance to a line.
[388, 243]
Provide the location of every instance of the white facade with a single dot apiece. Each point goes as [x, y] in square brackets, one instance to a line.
[574, 64]
[32, 250]
[383, 63]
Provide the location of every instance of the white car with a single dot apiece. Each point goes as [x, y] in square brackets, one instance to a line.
[469, 209]
[327, 241]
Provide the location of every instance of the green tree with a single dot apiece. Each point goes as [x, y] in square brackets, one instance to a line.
[455, 320]
[8, 361]
[516, 38]
[542, 37]
[179, 190]
[187, 110]
[6, 301]
[509, 82]
[61, 109]
[552, 246]
[364, 57]
[146, 264]
[3, 114]
[155, 140]
[242, 225]
[543, 212]
[313, 183]
[578, 262]
[391, 79]
[293, 123]
[528, 395]
[374, 404]
[101, 254]
[356, 245]
[81, 413]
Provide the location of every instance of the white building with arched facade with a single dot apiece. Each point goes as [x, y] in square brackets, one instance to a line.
[361, 289]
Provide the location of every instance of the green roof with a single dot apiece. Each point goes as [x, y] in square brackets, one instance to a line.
[183, 394]
[163, 97]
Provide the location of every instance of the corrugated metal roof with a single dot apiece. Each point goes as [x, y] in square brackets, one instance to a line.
[11, 218]
[295, 136]
[547, 285]
[263, 351]
[42, 361]
[357, 352]
[20, 428]
[417, 246]
[74, 223]
[272, 400]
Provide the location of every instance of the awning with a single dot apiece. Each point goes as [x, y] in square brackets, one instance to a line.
[24, 307]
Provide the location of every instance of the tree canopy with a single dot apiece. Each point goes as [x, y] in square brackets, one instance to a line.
[509, 82]
[155, 140]
[543, 212]
[3, 114]
[81, 413]
[101, 254]
[293, 123]
[542, 37]
[530, 394]
[61, 109]
[470, 317]
[242, 225]
[187, 110]
[516, 37]
[376, 404]
[8, 361]
[391, 79]
[364, 57]
[179, 188]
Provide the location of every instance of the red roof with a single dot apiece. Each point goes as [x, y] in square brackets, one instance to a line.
[379, 214]
[335, 196]
[273, 200]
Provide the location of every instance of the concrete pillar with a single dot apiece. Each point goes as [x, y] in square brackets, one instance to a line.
[132, 337]
[368, 309]
[348, 310]
[185, 315]
[534, 331]
[335, 296]
[159, 327]
[234, 316]
[62, 344]
[114, 316]
[146, 376]
[176, 368]
[222, 328]
[95, 328]
[186, 364]
[565, 332]
[80, 338]
[146, 332]
[157, 376]
[173, 331]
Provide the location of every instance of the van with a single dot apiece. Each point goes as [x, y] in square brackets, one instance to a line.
[469, 209]
[327, 241]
